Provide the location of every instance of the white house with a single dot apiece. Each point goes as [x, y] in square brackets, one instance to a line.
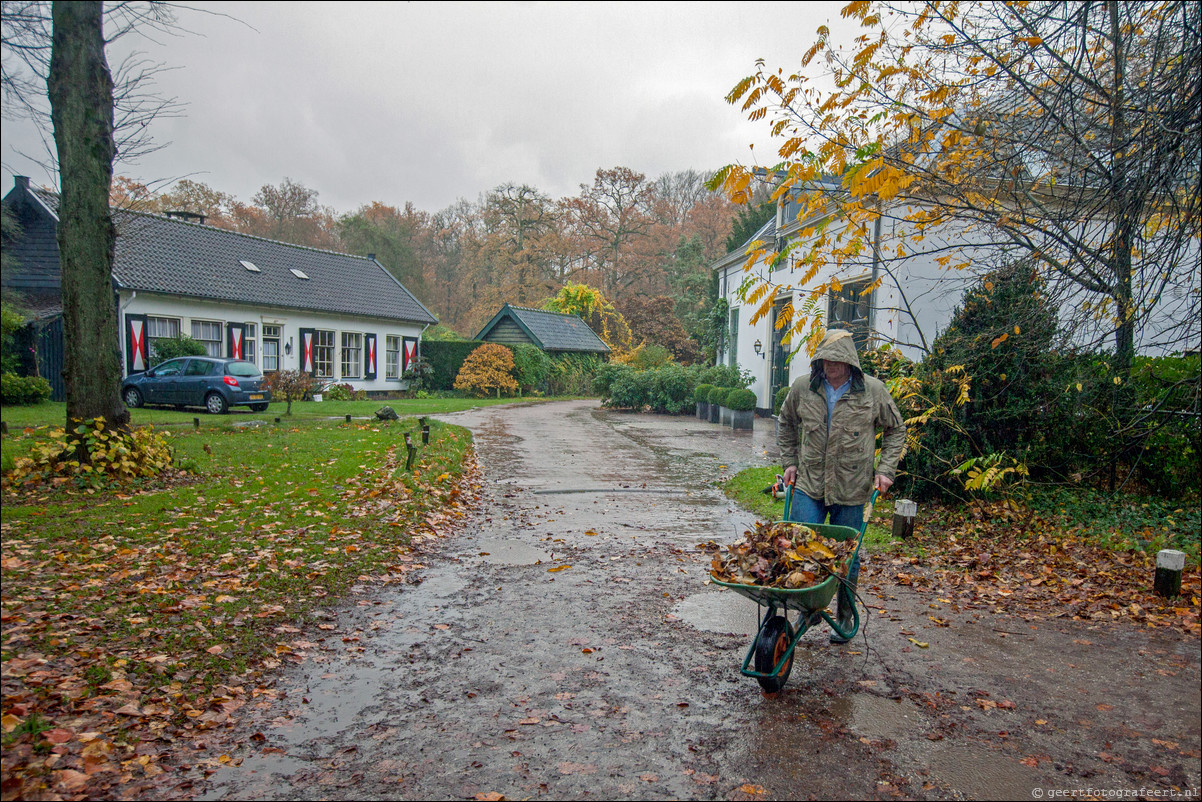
[915, 299]
[339, 317]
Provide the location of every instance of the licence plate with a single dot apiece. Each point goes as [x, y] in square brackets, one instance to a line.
[255, 396]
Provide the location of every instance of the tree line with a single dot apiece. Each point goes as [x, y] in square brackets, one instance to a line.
[645, 244]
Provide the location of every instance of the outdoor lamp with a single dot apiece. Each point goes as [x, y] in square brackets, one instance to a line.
[759, 347]
[288, 347]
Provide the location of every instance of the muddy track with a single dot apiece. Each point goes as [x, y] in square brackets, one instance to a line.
[616, 676]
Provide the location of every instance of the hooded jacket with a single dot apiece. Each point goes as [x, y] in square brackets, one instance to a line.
[835, 466]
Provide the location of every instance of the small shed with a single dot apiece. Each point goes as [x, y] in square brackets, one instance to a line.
[553, 332]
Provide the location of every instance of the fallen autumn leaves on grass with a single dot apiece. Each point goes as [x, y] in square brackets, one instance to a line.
[134, 624]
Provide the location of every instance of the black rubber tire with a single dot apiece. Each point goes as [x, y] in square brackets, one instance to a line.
[258, 407]
[132, 397]
[216, 404]
[774, 639]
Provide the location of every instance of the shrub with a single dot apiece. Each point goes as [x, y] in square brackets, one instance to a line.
[606, 375]
[671, 389]
[343, 392]
[779, 400]
[724, 376]
[24, 390]
[113, 454]
[702, 394]
[631, 390]
[10, 322]
[290, 385]
[173, 347]
[531, 365]
[486, 370]
[718, 395]
[418, 374]
[648, 357]
[740, 400]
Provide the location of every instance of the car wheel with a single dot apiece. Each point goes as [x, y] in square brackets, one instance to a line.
[258, 407]
[216, 404]
[133, 398]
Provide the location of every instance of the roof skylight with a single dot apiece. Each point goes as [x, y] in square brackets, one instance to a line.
[299, 273]
[249, 266]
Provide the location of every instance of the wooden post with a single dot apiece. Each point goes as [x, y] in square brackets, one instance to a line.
[904, 513]
[425, 434]
[348, 418]
[196, 423]
[3, 427]
[1170, 563]
[277, 420]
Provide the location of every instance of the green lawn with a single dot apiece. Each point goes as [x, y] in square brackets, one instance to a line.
[176, 594]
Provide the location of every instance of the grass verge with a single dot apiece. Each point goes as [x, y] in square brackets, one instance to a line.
[142, 616]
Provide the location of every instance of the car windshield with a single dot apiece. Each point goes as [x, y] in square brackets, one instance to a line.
[247, 369]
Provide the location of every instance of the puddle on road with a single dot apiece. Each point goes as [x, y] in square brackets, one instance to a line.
[982, 774]
[719, 611]
[876, 717]
[508, 552]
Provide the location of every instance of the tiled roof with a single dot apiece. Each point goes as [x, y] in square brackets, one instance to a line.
[155, 253]
[550, 331]
[163, 255]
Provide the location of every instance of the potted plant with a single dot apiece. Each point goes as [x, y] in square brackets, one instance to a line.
[702, 396]
[741, 404]
[716, 397]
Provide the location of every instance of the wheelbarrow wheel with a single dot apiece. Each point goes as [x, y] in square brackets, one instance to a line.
[772, 643]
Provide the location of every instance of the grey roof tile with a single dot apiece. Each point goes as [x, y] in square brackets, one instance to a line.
[551, 331]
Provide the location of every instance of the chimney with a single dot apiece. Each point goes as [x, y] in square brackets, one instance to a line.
[371, 256]
[21, 181]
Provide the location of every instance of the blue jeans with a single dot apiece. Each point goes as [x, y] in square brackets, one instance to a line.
[806, 510]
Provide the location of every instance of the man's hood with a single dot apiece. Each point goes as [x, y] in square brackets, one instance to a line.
[837, 346]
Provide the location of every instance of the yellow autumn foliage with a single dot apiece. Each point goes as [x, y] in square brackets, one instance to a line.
[487, 370]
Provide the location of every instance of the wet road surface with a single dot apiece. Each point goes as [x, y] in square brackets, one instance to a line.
[564, 644]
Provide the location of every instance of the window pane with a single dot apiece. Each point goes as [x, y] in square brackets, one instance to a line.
[323, 354]
[271, 355]
[392, 358]
[352, 355]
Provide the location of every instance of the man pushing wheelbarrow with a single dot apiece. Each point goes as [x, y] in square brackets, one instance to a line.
[827, 441]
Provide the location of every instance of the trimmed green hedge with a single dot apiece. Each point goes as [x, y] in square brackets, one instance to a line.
[740, 400]
[445, 358]
[702, 394]
[718, 396]
[779, 401]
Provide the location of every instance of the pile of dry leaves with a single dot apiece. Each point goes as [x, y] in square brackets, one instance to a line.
[782, 555]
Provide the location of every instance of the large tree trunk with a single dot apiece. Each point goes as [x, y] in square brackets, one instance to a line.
[81, 101]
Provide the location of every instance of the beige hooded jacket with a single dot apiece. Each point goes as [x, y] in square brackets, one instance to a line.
[837, 468]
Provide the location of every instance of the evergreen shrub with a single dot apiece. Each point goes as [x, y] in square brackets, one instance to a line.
[740, 400]
[23, 390]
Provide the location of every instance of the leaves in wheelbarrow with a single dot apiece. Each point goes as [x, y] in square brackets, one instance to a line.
[782, 555]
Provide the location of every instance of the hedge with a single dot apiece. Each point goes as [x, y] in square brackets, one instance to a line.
[16, 389]
[740, 400]
[445, 358]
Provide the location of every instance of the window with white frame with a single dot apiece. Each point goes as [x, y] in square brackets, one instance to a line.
[392, 357]
[208, 333]
[352, 355]
[271, 349]
[248, 342]
[160, 328]
[323, 354]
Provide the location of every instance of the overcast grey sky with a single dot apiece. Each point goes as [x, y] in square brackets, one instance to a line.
[432, 102]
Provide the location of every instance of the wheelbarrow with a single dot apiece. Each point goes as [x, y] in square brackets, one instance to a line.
[777, 638]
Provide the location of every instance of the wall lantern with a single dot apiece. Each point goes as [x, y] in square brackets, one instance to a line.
[759, 347]
[288, 347]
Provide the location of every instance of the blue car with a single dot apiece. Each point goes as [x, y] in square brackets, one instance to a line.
[199, 381]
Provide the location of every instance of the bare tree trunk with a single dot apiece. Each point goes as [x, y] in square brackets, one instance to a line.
[81, 100]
